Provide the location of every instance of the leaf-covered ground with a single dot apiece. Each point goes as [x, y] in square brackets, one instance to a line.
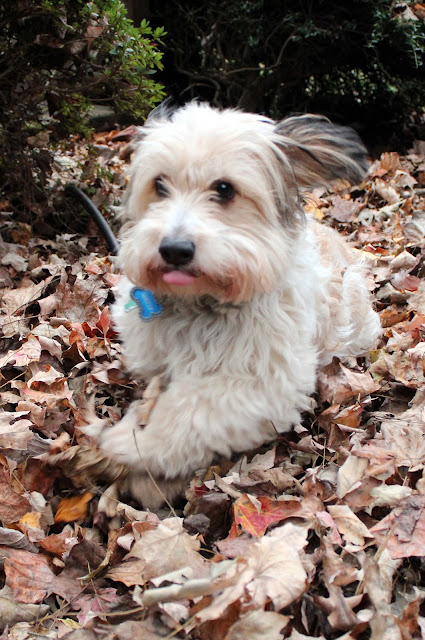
[319, 534]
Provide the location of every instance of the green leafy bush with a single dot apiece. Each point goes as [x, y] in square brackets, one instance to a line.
[58, 57]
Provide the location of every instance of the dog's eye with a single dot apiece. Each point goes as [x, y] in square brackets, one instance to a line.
[224, 190]
[160, 188]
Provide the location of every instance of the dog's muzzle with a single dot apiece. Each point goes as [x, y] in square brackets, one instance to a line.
[177, 252]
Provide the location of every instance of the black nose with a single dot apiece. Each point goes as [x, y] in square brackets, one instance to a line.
[177, 252]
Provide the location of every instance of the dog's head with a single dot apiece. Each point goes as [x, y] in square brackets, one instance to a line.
[213, 204]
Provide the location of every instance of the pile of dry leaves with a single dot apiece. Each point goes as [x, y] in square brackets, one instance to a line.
[319, 535]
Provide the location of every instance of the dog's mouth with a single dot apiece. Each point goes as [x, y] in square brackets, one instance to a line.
[179, 278]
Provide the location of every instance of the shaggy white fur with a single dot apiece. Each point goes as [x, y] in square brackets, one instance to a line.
[254, 296]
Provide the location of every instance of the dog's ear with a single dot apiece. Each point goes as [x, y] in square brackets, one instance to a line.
[319, 151]
[162, 113]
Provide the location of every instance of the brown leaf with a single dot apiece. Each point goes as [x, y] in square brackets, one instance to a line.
[15, 430]
[337, 606]
[31, 578]
[12, 505]
[405, 436]
[403, 530]
[59, 544]
[166, 548]
[12, 612]
[383, 623]
[16, 540]
[258, 625]
[75, 508]
[337, 384]
[93, 606]
[403, 281]
[343, 210]
[271, 571]
[349, 525]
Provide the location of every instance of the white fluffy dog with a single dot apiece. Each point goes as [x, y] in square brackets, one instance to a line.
[228, 289]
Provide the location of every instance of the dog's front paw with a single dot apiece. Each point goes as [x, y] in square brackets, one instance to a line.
[120, 441]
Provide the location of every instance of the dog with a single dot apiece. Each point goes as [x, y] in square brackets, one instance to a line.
[229, 290]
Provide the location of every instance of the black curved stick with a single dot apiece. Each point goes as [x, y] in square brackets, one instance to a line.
[105, 229]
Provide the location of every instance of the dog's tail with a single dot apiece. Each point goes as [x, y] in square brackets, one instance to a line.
[320, 151]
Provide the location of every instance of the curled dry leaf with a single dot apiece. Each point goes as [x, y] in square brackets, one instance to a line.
[15, 430]
[337, 384]
[349, 525]
[74, 508]
[383, 623]
[350, 474]
[338, 607]
[405, 435]
[16, 540]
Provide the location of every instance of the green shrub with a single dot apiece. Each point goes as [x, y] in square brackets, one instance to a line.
[58, 57]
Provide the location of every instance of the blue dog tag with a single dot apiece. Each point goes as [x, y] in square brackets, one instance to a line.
[149, 308]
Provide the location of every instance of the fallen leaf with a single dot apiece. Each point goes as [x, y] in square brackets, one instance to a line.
[343, 210]
[75, 508]
[94, 606]
[166, 548]
[403, 530]
[349, 525]
[254, 516]
[31, 578]
[337, 384]
[258, 625]
[383, 623]
[15, 430]
[337, 606]
[271, 571]
[16, 540]
[12, 504]
[350, 474]
[12, 612]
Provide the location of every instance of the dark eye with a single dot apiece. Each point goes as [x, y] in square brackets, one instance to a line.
[224, 190]
[160, 188]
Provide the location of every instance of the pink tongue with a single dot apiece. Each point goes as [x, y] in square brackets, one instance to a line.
[178, 277]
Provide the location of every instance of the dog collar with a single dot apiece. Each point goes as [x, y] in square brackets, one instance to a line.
[149, 307]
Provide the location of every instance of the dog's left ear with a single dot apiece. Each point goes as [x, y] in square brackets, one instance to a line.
[319, 151]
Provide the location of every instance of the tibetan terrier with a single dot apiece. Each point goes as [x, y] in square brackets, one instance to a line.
[229, 289]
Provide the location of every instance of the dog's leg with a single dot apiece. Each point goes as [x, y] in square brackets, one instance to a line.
[194, 419]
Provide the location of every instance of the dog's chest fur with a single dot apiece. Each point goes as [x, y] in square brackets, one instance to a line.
[270, 333]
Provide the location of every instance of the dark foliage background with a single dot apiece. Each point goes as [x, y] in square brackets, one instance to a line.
[58, 58]
[360, 62]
